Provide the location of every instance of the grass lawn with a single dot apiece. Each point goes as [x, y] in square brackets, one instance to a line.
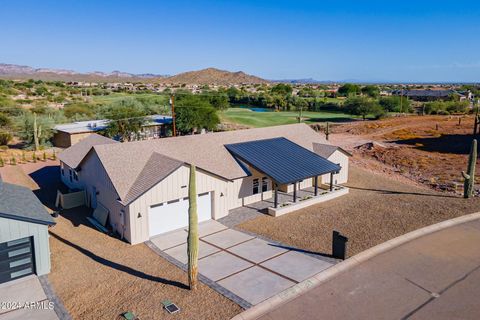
[265, 119]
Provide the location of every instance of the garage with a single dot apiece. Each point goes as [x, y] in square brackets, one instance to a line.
[16, 259]
[172, 215]
[24, 223]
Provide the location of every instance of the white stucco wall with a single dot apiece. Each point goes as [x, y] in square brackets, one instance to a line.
[338, 157]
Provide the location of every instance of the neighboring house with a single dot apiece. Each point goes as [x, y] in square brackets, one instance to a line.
[429, 95]
[67, 135]
[144, 184]
[24, 222]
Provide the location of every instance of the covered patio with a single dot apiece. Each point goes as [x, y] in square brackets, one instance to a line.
[287, 165]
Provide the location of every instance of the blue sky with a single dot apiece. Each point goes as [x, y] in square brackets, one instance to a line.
[325, 40]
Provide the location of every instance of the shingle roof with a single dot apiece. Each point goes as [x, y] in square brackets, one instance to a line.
[125, 161]
[74, 155]
[157, 168]
[19, 203]
[282, 160]
[326, 150]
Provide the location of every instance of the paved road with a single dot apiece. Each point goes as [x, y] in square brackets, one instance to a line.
[436, 276]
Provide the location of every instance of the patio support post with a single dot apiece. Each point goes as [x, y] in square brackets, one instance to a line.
[275, 201]
[294, 192]
[316, 185]
[331, 181]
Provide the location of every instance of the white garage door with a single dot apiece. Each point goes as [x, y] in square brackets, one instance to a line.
[173, 215]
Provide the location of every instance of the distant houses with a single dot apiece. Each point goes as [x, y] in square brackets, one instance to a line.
[69, 134]
[433, 95]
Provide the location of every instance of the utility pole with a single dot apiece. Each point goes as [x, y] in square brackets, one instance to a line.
[172, 102]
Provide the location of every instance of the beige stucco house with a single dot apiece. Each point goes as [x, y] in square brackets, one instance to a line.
[144, 184]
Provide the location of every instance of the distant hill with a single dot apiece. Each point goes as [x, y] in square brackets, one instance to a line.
[13, 71]
[214, 76]
[205, 76]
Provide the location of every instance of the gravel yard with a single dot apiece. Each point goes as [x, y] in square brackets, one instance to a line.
[99, 277]
[377, 209]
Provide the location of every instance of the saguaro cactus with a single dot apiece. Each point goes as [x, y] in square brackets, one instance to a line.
[469, 176]
[192, 249]
[327, 131]
[37, 132]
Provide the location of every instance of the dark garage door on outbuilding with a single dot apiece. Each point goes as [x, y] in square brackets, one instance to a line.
[24, 222]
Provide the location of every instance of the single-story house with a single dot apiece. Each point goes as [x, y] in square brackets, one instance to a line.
[24, 222]
[144, 184]
[429, 95]
[66, 135]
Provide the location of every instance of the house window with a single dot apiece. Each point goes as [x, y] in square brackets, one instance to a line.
[71, 174]
[62, 170]
[75, 175]
[255, 186]
[264, 184]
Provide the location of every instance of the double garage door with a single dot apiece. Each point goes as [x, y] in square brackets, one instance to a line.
[16, 259]
[173, 215]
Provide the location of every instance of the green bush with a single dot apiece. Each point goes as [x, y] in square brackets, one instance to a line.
[5, 138]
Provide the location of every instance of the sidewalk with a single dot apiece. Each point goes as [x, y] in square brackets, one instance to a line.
[436, 276]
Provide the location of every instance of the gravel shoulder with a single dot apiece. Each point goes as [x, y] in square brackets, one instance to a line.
[377, 209]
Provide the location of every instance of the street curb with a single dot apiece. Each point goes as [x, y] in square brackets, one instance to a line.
[291, 293]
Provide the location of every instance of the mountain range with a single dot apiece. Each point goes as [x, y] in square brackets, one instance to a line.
[204, 76]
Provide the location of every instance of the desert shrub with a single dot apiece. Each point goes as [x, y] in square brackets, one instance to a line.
[5, 138]
[79, 111]
[446, 107]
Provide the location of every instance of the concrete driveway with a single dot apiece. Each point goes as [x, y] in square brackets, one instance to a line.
[251, 268]
[25, 299]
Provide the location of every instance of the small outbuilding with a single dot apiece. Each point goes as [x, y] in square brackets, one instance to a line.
[24, 223]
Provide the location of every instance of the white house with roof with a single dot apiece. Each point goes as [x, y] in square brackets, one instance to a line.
[143, 185]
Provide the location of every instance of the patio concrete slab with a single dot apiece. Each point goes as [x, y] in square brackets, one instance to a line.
[296, 266]
[255, 284]
[256, 250]
[221, 265]
[227, 238]
[180, 252]
[170, 239]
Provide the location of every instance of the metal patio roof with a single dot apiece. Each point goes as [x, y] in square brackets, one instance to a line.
[281, 159]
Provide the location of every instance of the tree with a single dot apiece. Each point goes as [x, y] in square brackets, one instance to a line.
[396, 104]
[348, 89]
[371, 91]
[282, 89]
[219, 102]
[193, 113]
[192, 247]
[362, 106]
[126, 121]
